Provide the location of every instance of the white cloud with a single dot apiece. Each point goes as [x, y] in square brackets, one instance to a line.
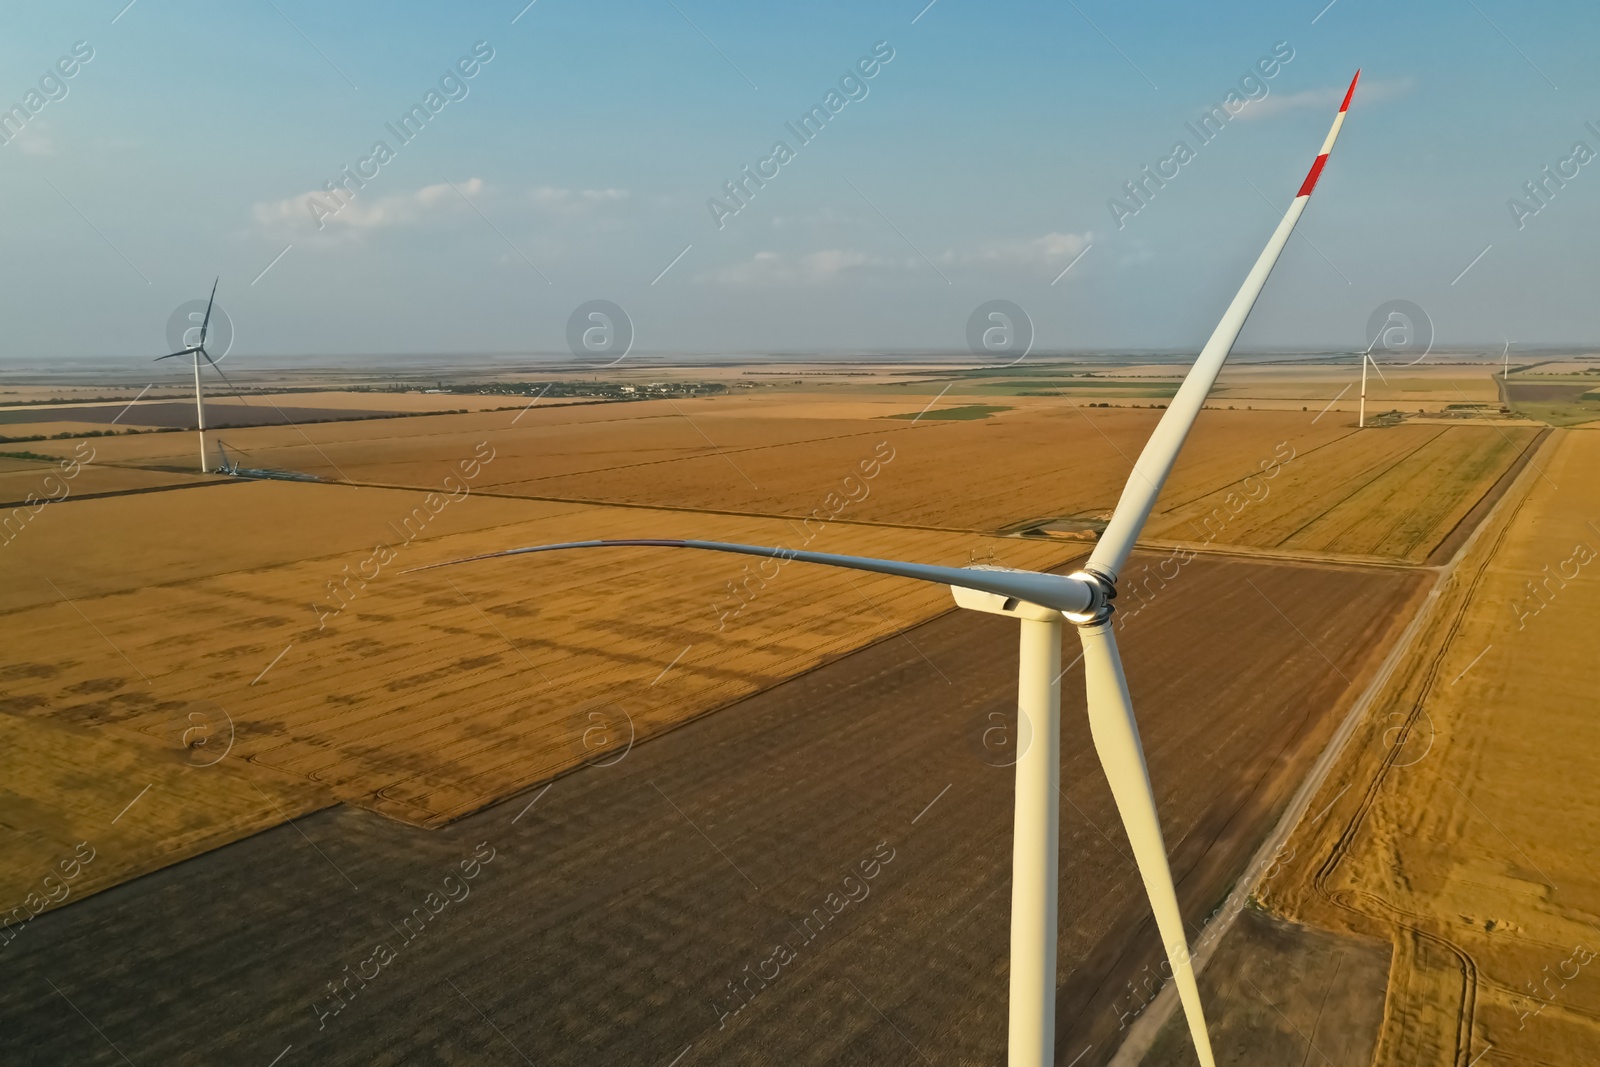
[575, 201]
[1326, 99]
[768, 268]
[1049, 250]
[366, 211]
[363, 212]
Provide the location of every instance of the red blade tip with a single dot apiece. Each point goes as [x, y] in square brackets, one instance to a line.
[1350, 91]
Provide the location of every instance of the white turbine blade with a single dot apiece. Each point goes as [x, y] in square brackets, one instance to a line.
[1378, 369]
[1161, 451]
[1116, 740]
[206, 322]
[1047, 590]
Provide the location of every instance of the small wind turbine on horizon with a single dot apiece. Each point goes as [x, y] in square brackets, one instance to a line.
[197, 350]
[1041, 603]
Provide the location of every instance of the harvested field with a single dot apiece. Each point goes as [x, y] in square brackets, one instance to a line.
[141, 808]
[381, 400]
[234, 573]
[630, 896]
[430, 697]
[1464, 832]
[430, 694]
[221, 412]
[1393, 493]
[18, 478]
[728, 454]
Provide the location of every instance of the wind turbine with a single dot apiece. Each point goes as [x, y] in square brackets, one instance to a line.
[1366, 357]
[1041, 603]
[197, 350]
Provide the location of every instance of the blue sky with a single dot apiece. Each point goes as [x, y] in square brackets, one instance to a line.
[979, 163]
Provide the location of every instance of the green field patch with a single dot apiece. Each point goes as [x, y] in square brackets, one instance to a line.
[1170, 386]
[1077, 387]
[1561, 414]
[964, 413]
[1558, 404]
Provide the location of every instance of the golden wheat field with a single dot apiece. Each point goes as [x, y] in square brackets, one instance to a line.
[420, 695]
[284, 609]
[1456, 820]
[1403, 385]
[51, 481]
[1393, 493]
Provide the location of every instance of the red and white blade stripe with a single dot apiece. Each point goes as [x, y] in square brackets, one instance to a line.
[1327, 146]
[1110, 553]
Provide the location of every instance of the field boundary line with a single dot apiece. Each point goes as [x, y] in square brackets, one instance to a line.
[125, 492]
[674, 509]
[1144, 1030]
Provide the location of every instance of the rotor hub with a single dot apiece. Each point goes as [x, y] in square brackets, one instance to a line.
[1103, 590]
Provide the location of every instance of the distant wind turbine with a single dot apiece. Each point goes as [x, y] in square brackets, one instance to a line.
[1041, 602]
[1366, 357]
[197, 350]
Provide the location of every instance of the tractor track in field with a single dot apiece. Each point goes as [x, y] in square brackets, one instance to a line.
[1410, 922]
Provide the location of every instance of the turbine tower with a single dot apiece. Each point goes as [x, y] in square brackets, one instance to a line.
[1042, 603]
[1366, 357]
[197, 350]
